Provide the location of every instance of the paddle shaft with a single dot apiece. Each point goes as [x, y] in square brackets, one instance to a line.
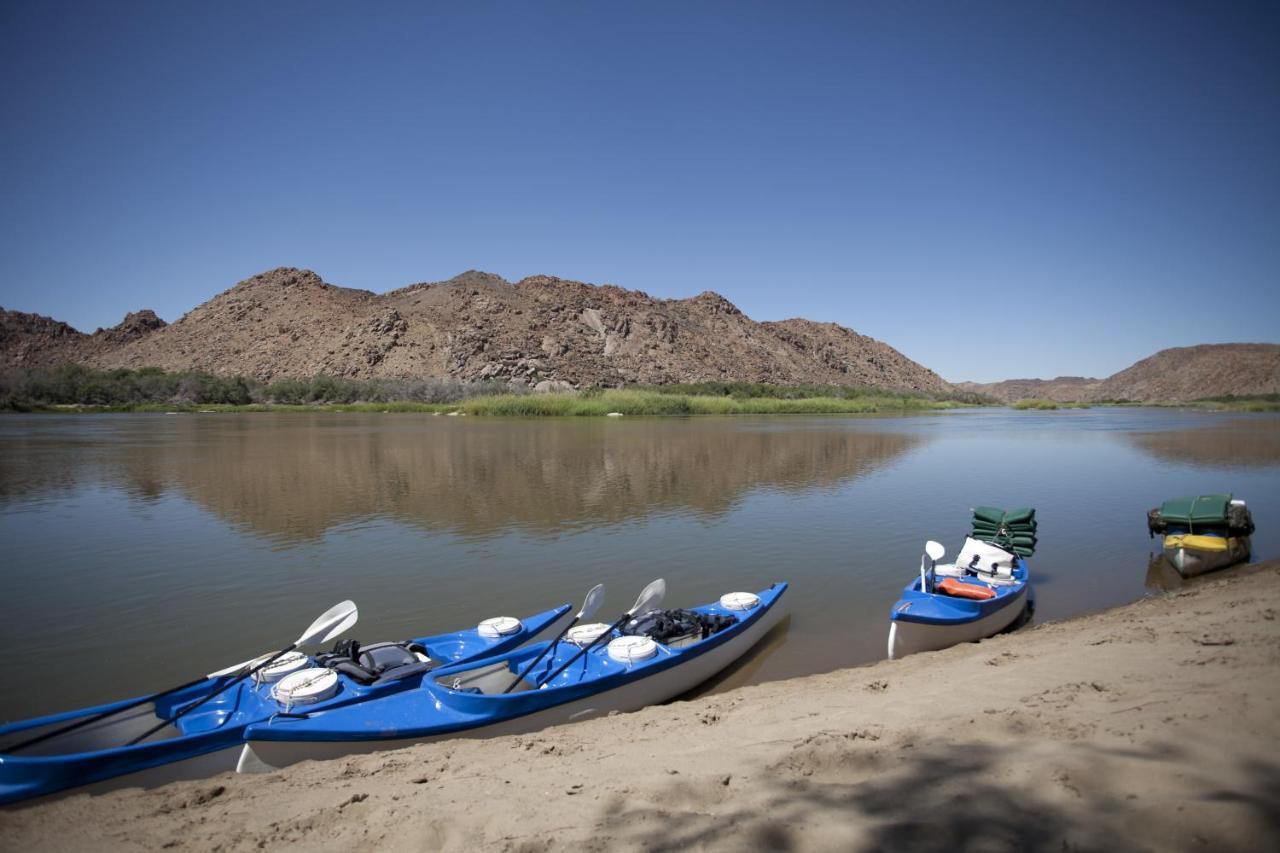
[541, 655]
[102, 716]
[589, 647]
[206, 697]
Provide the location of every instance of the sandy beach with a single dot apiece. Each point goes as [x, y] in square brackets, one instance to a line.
[1150, 726]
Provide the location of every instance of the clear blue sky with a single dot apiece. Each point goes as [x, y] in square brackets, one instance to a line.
[996, 189]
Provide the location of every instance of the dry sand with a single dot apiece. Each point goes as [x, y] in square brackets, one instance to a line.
[1151, 726]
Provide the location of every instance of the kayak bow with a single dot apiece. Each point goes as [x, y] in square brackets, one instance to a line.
[203, 742]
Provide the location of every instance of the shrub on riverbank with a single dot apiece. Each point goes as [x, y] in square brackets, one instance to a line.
[1230, 402]
[72, 384]
[149, 389]
[753, 390]
[124, 389]
[660, 403]
[1047, 405]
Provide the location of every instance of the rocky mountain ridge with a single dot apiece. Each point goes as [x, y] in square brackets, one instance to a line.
[540, 331]
[1170, 375]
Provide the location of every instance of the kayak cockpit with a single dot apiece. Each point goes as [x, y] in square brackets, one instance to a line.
[110, 733]
[494, 679]
[941, 608]
[595, 651]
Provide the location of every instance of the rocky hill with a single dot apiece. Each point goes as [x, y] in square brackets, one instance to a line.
[288, 322]
[1064, 389]
[1189, 373]
[1178, 374]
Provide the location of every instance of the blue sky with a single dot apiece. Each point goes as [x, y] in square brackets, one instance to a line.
[996, 189]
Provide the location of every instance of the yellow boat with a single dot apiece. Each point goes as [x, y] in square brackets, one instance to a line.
[1203, 533]
[1192, 554]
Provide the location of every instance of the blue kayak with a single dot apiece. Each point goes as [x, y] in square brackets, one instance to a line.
[623, 672]
[936, 613]
[203, 742]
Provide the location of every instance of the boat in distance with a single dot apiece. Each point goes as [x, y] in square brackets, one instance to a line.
[1202, 533]
[597, 670]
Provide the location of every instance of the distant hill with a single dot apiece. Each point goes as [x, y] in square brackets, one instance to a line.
[289, 323]
[1064, 389]
[1178, 374]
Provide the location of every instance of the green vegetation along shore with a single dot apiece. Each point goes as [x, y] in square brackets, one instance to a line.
[81, 389]
[1228, 403]
[74, 388]
[661, 403]
[1045, 405]
[1232, 403]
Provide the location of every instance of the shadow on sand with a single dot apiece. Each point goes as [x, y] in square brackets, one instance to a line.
[846, 791]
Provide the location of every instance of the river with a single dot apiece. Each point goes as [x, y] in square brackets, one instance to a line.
[139, 550]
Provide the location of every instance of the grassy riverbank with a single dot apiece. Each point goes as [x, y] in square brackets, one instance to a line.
[569, 404]
[73, 388]
[1039, 404]
[1231, 403]
[1265, 403]
[660, 403]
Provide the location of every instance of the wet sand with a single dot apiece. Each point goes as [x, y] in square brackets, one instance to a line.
[1150, 726]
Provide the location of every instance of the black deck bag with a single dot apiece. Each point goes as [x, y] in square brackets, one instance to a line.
[677, 627]
[1240, 520]
[1156, 525]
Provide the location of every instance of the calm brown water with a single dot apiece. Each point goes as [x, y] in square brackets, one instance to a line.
[139, 550]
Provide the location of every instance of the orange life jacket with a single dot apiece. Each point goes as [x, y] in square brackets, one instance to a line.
[951, 586]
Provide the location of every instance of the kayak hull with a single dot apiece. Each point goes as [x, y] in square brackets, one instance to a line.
[96, 758]
[203, 766]
[908, 638]
[89, 758]
[261, 754]
[1194, 555]
[923, 621]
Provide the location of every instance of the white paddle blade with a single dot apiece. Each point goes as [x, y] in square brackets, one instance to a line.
[592, 602]
[245, 664]
[934, 550]
[650, 597]
[331, 623]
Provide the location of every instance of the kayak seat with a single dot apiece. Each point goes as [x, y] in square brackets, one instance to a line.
[376, 663]
[398, 672]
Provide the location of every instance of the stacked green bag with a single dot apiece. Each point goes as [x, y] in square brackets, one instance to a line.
[1013, 531]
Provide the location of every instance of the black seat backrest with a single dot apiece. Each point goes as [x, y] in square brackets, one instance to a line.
[377, 662]
[380, 657]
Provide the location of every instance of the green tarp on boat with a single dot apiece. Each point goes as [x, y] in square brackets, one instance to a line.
[1217, 514]
[1202, 509]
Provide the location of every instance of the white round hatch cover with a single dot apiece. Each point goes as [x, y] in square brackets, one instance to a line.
[740, 601]
[282, 666]
[306, 687]
[585, 635]
[499, 626]
[630, 649]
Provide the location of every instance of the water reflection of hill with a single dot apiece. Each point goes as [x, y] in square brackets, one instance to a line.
[296, 477]
[1241, 443]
